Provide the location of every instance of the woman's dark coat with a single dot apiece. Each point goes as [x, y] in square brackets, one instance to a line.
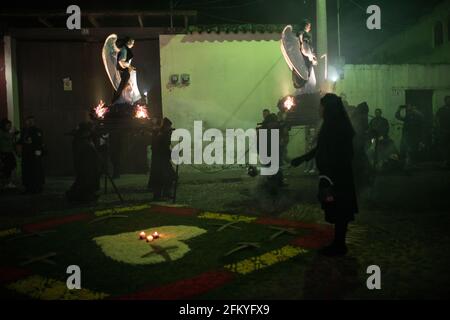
[333, 154]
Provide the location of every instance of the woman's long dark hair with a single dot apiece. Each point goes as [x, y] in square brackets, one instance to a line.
[336, 122]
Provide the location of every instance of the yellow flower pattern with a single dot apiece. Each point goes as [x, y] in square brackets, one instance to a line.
[41, 288]
[226, 217]
[9, 232]
[121, 210]
[266, 260]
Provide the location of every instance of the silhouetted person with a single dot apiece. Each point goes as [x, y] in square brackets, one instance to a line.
[333, 154]
[379, 131]
[7, 157]
[86, 164]
[32, 151]
[161, 172]
[412, 134]
[443, 130]
[266, 113]
[271, 122]
[361, 164]
[379, 126]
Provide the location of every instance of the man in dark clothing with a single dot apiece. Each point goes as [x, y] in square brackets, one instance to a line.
[412, 134]
[266, 113]
[272, 122]
[86, 164]
[379, 126]
[32, 150]
[443, 131]
[379, 132]
[162, 174]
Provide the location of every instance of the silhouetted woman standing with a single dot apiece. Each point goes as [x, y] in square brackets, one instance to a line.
[333, 155]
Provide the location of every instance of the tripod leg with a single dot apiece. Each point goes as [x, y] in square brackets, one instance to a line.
[107, 176]
[115, 188]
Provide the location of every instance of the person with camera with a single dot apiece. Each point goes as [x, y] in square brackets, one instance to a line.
[333, 155]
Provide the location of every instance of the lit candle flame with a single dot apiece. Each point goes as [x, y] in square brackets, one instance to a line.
[100, 110]
[289, 103]
[141, 112]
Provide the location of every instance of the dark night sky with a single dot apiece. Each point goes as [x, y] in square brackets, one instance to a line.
[356, 38]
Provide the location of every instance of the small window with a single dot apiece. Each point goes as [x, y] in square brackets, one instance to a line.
[438, 34]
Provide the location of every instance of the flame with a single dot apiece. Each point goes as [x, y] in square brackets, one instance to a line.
[141, 112]
[289, 103]
[101, 110]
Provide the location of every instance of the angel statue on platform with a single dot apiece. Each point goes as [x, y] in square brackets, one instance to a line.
[299, 55]
[117, 56]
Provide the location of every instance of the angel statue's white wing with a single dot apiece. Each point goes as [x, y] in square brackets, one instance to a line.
[109, 55]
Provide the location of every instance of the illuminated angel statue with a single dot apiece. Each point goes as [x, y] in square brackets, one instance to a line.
[117, 57]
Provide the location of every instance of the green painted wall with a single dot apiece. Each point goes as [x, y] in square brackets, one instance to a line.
[233, 78]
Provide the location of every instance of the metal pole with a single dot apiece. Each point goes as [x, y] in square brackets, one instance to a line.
[322, 36]
[171, 15]
[339, 27]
